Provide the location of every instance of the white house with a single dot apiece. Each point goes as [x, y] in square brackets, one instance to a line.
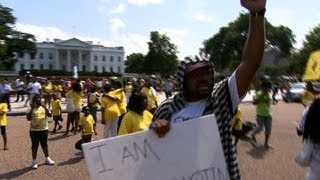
[65, 55]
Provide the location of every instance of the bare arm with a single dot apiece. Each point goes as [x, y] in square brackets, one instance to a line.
[254, 47]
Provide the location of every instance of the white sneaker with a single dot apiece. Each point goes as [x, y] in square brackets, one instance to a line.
[34, 165]
[49, 161]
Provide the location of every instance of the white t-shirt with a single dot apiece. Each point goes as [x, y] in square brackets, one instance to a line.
[34, 87]
[195, 109]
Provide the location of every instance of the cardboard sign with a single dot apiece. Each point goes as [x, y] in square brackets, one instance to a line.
[190, 151]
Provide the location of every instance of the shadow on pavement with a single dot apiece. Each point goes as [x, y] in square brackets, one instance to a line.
[71, 161]
[58, 137]
[14, 174]
[258, 152]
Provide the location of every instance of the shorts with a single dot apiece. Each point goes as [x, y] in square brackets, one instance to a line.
[265, 122]
[3, 130]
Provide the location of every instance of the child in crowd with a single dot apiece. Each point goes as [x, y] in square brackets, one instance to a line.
[3, 120]
[56, 113]
[39, 130]
[87, 127]
[137, 118]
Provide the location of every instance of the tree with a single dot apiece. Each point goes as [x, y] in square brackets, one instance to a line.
[225, 48]
[299, 59]
[135, 63]
[13, 43]
[162, 56]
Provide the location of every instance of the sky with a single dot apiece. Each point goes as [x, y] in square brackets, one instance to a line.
[128, 23]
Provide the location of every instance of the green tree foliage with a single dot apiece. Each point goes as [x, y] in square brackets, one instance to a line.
[225, 47]
[135, 63]
[13, 43]
[299, 59]
[162, 56]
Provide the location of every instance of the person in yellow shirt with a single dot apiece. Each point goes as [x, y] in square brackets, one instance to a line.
[57, 89]
[3, 121]
[56, 113]
[39, 130]
[110, 112]
[151, 94]
[75, 98]
[47, 90]
[137, 118]
[87, 127]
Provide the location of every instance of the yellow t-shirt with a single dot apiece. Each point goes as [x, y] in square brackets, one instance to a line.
[152, 98]
[3, 117]
[110, 107]
[307, 98]
[122, 104]
[133, 122]
[77, 98]
[57, 88]
[47, 89]
[56, 107]
[237, 124]
[86, 122]
[39, 120]
[128, 88]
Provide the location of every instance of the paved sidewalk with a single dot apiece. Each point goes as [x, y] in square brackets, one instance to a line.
[18, 108]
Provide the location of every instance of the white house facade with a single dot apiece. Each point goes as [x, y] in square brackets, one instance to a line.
[65, 55]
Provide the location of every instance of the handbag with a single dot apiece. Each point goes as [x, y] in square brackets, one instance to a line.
[304, 154]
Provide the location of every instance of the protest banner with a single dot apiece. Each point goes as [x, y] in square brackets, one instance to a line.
[191, 150]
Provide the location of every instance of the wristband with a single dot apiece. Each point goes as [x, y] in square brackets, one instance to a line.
[260, 13]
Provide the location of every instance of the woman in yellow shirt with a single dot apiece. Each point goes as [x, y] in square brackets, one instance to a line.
[137, 118]
[39, 130]
[75, 97]
[110, 111]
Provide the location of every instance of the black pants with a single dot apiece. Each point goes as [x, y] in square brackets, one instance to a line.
[20, 93]
[39, 137]
[7, 99]
[84, 139]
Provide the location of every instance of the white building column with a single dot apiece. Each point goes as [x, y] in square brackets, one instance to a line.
[57, 62]
[80, 61]
[68, 68]
[90, 62]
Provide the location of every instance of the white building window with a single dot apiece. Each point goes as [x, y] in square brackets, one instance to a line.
[41, 55]
[50, 56]
[31, 66]
[119, 69]
[21, 66]
[41, 66]
[111, 69]
[96, 68]
[111, 58]
[50, 66]
[119, 58]
[95, 58]
[103, 58]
